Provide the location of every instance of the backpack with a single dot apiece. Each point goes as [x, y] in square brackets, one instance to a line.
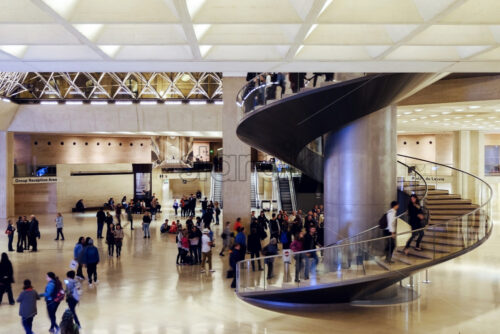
[382, 223]
[283, 238]
[58, 293]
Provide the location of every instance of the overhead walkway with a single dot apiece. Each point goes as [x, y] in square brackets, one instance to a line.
[459, 205]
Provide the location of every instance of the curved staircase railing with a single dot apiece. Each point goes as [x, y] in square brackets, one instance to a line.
[459, 206]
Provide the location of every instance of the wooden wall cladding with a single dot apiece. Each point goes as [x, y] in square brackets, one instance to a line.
[35, 198]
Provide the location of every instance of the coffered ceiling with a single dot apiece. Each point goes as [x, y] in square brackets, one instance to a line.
[257, 35]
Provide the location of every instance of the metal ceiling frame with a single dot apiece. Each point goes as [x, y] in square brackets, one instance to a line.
[26, 87]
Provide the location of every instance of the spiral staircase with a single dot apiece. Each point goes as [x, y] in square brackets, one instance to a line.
[458, 203]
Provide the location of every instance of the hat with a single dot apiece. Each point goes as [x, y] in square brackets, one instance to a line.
[206, 230]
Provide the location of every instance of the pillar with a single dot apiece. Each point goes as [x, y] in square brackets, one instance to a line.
[359, 174]
[236, 157]
[6, 174]
[468, 156]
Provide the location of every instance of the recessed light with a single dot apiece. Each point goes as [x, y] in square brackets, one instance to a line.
[398, 115]
[4, 99]
[434, 115]
[123, 102]
[436, 121]
[405, 121]
[466, 121]
[407, 112]
[469, 115]
[413, 119]
[447, 119]
[458, 117]
[74, 102]
[491, 117]
[497, 110]
[446, 112]
[423, 117]
[98, 102]
[474, 107]
[48, 102]
[418, 109]
[479, 119]
[459, 109]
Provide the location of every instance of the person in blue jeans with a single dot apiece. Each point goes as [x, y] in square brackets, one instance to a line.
[146, 220]
[27, 306]
[52, 288]
[311, 258]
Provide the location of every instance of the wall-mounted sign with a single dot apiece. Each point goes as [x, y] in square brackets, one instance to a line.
[34, 180]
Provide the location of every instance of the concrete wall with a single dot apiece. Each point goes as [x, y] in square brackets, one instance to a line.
[116, 118]
[95, 189]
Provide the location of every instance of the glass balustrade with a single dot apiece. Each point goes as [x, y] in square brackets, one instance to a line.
[363, 257]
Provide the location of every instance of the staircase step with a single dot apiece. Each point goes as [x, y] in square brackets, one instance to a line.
[454, 229]
[443, 241]
[452, 206]
[412, 252]
[437, 192]
[401, 257]
[443, 197]
[455, 201]
[437, 247]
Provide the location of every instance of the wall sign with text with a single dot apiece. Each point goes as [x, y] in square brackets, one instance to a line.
[34, 180]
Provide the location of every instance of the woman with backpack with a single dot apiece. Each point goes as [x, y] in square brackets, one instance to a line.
[53, 295]
[73, 292]
[67, 324]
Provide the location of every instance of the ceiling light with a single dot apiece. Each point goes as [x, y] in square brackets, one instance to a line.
[413, 119]
[4, 99]
[173, 102]
[399, 115]
[467, 121]
[219, 102]
[407, 112]
[185, 77]
[74, 102]
[479, 119]
[474, 107]
[48, 102]
[98, 102]
[447, 119]
[418, 109]
[433, 115]
[491, 117]
[446, 112]
[123, 102]
[458, 117]
[405, 121]
[497, 121]
[497, 110]
[436, 121]
[459, 109]
[197, 102]
[148, 102]
[469, 115]
[423, 117]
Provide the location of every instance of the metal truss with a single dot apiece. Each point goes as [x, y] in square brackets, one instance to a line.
[26, 87]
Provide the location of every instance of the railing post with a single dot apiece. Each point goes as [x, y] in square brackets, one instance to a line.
[426, 280]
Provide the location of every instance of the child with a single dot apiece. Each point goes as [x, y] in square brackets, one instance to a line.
[27, 305]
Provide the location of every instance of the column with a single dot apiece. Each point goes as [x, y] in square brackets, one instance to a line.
[360, 174]
[6, 174]
[236, 157]
[468, 156]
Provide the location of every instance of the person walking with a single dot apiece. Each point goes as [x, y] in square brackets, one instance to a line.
[415, 219]
[390, 231]
[110, 239]
[10, 235]
[254, 247]
[27, 306]
[73, 292]
[118, 234]
[146, 221]
[310, 258]
[206, 251]
[33, 233]
[77, 251]
[101, 217]
[6, 278]
[53, 295]
[90, 257]
[67, 325]
[241, 240]
[176, 206]
[59, 226]
[225, 238]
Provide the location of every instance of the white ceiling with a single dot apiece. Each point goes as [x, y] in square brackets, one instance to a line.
[256, 35]
[444, 117]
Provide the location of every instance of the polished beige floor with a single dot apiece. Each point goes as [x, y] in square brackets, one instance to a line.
[145, 292]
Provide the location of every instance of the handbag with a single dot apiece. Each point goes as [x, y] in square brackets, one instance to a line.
[73, 264]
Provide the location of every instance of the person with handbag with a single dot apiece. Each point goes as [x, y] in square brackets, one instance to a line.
[73, 292]
[10, 234]
[6, 278]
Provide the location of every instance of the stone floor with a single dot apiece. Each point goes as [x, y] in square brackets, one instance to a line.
[145, 292]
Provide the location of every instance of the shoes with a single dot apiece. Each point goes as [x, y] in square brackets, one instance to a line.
[406, 251]
[144, 237]
[202, 271]
[149, 237]
[261, 269]
[91, 285]
[297, 281]
[80, 277]
[418, 249]
[221, 254]
[389, 261]
[56, 239]
[12, 303]
[96, 281]
[132, 229]
[212, 271]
